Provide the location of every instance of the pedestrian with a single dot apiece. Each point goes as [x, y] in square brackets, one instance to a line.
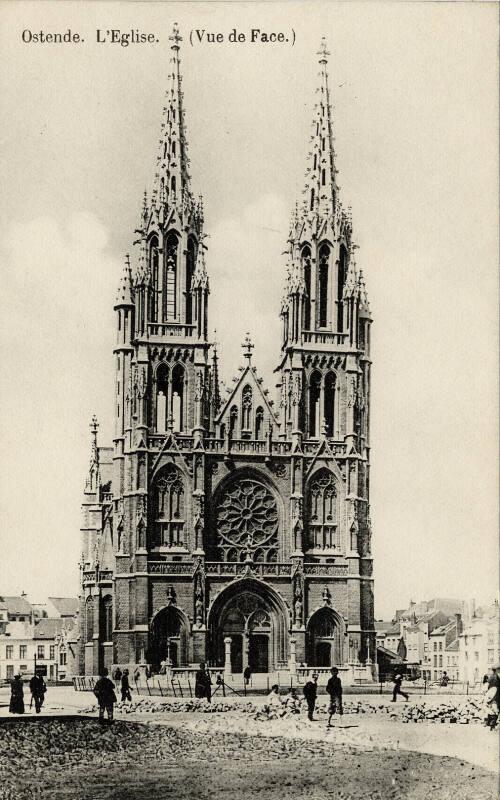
[16, 705]
[247, 674]
[273, 698]
[137, 674]
[493, 698]
[398, 680]
[104, 690]
[125, 687]
[38, 689]
[445, 680]
[334, 689]
[310, 692]
[117, 675]
[203, 684]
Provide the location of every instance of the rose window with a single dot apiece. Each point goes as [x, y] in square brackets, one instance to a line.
[247, 522]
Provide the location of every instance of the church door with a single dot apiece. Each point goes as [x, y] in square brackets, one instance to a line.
[258, 652]
[237, 653]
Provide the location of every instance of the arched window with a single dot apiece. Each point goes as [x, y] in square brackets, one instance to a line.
[173, 185]
[306, 268]
[190, 265]
[169, 507]
[161, 398]
[89, 619]
[154, 269]
[233, 420]
[322, 512]
[330, 404]
[324, 264]
[340, 287]
[259, 423]
[311, 206]
[246, 409]
[314, 404]
[106, 633]
[170, 282]
[173, 148]
[178, 410]
[323, 177]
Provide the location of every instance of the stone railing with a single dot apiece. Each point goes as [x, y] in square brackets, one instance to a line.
[103, 575]
[234, 569]
[171, 329]
[326, 570]
[170, 568]
[325, 337]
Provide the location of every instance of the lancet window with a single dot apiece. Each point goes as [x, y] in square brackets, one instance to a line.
[306, 270]
[246, 409]
[154, 268]
[177, 401]
[170, 277]
[314, 404]
[233, 421]
[106, 633]
[340, 287]
[323, 533]
[323, 281]
[330, 403]
[162, 376]
[190, 265]
[259, 423]
[169, 508]
[89, 619]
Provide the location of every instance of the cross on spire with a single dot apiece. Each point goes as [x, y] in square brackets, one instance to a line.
[247, 346]
[175, 37]
[323, 52]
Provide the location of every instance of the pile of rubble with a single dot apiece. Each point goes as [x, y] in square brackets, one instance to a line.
[468, 712]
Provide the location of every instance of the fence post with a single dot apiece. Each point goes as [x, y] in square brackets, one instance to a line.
[425, 686]
[159, 686]
[380, 685]
[189, 685]
[268, 684]
[467, 691]
[223, 688]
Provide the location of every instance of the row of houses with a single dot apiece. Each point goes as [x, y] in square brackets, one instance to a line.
[38, 636]
[441, 636]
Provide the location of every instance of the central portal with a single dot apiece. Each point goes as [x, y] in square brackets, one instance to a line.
[248, 614]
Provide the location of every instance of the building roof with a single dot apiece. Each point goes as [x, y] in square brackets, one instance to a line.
[453, 645]
[442, 629]
[66, 606]
[389, 654]
[17, 605]
[383, 626]
[48, 628]
[394, 630]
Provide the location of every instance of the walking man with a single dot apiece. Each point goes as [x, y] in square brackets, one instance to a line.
[334, 689]
[125, 687]
[38, 689]
[310, 691]
[104, 690]
[398, 680]
[203, 684]
[247, 674]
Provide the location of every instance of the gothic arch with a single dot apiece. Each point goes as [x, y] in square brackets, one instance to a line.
[156, 279]
[106, 618]
[325, 632]
[162, 384]
[170, 275]
[305, 256]
[169, 637]
[169, 507]
[314, 404]
[341, 276]
[178, 398]
[190, 267]
[322, 511]
[249, 609]
[324, 278]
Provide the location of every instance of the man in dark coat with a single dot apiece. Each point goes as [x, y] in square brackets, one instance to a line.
[16, 705]
[310, 691]
[38, 689]
[334, 689]
[104, 690]
[203, 684]
[125, 687]
[398, 680]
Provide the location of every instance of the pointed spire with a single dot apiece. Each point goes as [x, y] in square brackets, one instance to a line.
[125, 291]
[215, 376]
[172, 180]
[200, 276]
[93, 479]
[321, 184]
[364, 305]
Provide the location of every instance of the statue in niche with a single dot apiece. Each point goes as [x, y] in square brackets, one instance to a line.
[198, 601]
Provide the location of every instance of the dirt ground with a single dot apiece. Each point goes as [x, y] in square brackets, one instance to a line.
[76, 759]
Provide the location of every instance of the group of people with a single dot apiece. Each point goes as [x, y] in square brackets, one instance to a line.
[38, 689]
[333, 688]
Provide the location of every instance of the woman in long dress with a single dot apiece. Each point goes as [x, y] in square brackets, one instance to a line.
[16, 696]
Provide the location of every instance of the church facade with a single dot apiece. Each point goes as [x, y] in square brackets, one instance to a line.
[222, 528]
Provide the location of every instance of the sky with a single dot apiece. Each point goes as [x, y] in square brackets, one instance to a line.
[415, 93]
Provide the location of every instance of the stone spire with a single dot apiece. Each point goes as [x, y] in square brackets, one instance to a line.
[320, 189]
[172, 180]
[93, 478]
[124, 295]
[200, 276]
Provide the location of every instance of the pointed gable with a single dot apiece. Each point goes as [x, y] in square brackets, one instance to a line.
[239, 399]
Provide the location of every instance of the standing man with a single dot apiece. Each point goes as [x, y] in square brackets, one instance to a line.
[104, 690]
[398, 680]
[125, 687]
[38, 689]
[334, 689]
[247, 674]
[310, 691]
[203, 684]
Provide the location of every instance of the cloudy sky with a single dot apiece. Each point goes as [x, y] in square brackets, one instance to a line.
[415, 95]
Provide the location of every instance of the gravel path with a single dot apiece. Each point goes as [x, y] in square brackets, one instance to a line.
[76, 759]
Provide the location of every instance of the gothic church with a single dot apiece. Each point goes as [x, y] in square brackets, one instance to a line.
[220, 528]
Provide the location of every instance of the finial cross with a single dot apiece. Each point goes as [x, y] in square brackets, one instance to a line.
[247, 346]
[323, 52]
[175, 37]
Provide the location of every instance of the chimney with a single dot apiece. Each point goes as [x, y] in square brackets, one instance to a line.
[459, 623]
